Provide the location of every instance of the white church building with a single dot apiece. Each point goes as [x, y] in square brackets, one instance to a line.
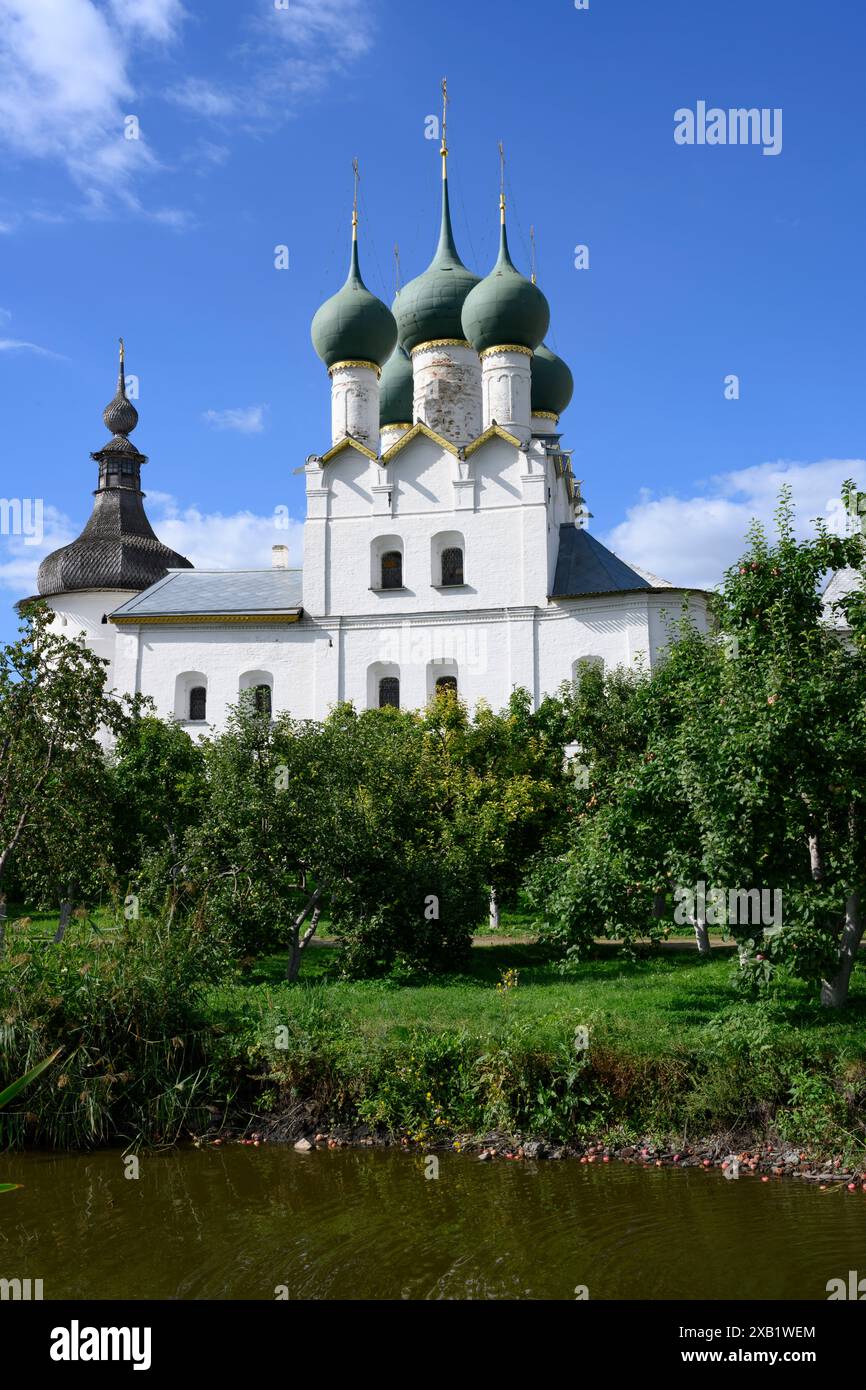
[445, 538]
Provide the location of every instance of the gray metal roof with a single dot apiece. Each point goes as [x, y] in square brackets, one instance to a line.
[585, 566]
[197, 592]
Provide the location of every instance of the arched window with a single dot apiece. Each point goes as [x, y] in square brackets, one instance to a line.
[452, 565]
[392, 570]
[262, 696]
[389, 692]
[584, 664]
[447, 560]
[446, 683]
[198, 703]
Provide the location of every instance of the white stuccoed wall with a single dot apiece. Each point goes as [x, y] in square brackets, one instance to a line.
[497, 631]
[83, 612]
[355, 404]
[447, 390]
[506, 388]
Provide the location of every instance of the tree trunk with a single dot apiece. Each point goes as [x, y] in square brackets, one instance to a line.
[834, 993]
[293, 964]
[2, 925]
[296, 943]
[702, 936]
[494, 910]
[63, 920]
[660, 899]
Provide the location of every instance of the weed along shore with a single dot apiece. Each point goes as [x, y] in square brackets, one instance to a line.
[645, 1061]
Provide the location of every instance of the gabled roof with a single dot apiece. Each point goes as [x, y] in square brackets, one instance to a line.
[414, 433]
[585, 566]
[348, 443]
[492, 432]
[272, 595]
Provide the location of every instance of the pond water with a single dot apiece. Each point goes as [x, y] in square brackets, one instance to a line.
[240, 1223]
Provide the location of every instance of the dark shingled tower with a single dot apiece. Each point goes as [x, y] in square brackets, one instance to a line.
[118, 548]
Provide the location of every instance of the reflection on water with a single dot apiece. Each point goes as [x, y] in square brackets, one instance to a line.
[239, 1222]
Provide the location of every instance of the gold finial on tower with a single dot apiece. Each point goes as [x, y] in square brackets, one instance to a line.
[534, 274]
[501, 183]
[355, 200]
[444, 149]
[396, 268]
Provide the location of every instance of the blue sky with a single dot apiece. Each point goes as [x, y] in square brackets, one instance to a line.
[705, 261]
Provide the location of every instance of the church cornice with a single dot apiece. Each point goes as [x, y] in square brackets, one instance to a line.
[440, 343]
[201, 619]
[354, 362]
[505, 347]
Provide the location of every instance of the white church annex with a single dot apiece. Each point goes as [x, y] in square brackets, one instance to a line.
[445, 540]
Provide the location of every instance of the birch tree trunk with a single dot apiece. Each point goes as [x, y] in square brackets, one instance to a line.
[494, 910]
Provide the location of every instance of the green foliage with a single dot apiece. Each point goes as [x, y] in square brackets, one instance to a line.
[739, 762]
[159, 790]
[125, 1007]
[55, 825]
[395, 824]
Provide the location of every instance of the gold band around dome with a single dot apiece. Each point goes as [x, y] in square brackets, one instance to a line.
[506, 347]
[397, 425]
[545, 415]
[351, 362]
[441, 342]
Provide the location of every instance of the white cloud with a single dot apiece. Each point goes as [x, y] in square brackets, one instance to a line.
[692, 540]
[16, 345]
[66, 84]
[204, 97]
[212, 540]
[20, 556]
[155, 19]
[249, 419]
[65, 89]
[290, 55]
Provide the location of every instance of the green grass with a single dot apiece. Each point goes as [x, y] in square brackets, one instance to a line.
[660, 1004]
[672, 1046]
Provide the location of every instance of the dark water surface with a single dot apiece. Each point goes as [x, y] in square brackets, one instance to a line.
[236, 1223]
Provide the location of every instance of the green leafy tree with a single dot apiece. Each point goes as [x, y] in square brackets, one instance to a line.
[53, 710]
[159, 788]
[774, 760]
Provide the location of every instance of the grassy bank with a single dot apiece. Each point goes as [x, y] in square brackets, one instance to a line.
[158, 1047]
[671, 1051]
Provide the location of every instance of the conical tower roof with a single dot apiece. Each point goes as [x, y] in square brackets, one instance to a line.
[353, 325]
[429, 307]
[118, 548]
[505, 309]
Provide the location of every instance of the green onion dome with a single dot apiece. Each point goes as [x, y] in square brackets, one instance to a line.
[428, 308]
[552, 382]
[505, 309]
[353, 325]
[396, 390]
